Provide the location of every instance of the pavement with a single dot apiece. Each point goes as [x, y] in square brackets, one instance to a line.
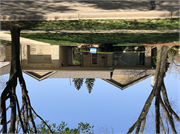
[23, 41]
[86, 9]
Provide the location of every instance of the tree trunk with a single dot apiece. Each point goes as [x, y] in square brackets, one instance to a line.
[10, 92]
[162, 53]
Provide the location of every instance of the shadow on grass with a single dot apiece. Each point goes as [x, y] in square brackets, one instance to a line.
[144, 24]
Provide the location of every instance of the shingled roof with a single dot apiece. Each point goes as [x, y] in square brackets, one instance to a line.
[81, 74]
[123, 78]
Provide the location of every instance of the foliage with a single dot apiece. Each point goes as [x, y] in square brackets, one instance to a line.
[133, 24]
[85, 48]
[108, 38]
[129, 48]
[150, 125]
[78, 82]
[62, 128]
[77, 57]
[89, 84]
[106, 48]
[173, 52]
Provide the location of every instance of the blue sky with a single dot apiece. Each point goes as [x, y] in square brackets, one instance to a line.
[56, 100]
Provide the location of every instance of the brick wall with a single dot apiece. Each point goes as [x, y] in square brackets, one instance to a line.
[109, 60]
[102, 60]
[86, 60]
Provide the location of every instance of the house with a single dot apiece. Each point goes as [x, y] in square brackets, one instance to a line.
[119, 69]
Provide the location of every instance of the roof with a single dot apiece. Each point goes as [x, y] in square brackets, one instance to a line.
[134, 71]
[81, 74]
[123, 78]
[126, 81]
[40, 75]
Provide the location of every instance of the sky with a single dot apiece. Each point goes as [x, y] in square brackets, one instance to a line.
[56, 100]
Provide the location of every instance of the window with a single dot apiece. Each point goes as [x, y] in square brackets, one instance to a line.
[94, 59]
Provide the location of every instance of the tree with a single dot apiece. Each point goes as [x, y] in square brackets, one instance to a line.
[25, 113]
[151, 116]
[78, 82]
[160, 100]
[61, 128]
[89, 84]
[174, 60]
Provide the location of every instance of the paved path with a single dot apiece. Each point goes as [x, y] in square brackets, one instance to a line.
[23, 41]
[75, 10]
[92, 31]
[101, 31]
[5, 36]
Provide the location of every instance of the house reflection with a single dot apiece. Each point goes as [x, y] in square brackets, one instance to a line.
[120, 67]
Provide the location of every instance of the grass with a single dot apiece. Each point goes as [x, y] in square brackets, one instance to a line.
[4, 42]
[132, 24]
[113, 38]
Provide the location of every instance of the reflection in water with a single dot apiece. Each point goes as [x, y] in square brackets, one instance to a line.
[119, 66]
[78, 82]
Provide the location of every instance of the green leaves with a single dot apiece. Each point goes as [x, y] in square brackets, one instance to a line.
[89, 84]
[78, 82]
[133, 24]
[63, 129]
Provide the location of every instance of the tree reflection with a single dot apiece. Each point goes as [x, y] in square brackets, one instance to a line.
[161, 98]
[25, 113]
[78, 82]
[89, 84]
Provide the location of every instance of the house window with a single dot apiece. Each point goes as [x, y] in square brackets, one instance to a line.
[94, 59]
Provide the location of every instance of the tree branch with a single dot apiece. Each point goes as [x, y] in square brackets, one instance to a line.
[16, 131]
[157, 111]
[143, 126]
[144, 111]
[162, 126]
[166, 100]
[42, 120]
[13, 112]
[19, 113]
[138, 127]
[171, 122]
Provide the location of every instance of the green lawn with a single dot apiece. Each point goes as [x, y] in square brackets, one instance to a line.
[4, 42]
[132, 24]
[114, 38]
